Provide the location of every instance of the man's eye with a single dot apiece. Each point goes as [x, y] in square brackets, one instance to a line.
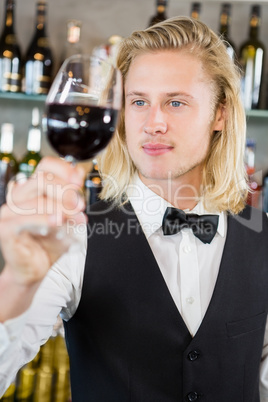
[139, 103]
[176, 103]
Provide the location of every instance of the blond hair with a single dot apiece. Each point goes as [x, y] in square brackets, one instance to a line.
[224, 185]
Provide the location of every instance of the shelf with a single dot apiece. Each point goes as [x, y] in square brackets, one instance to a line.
[22, 97]
[42, 98]
[257, 113]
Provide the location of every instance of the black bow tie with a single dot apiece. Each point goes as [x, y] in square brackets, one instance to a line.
[204, 227]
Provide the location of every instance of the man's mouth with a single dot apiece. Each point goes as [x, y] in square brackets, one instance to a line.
[156, 149]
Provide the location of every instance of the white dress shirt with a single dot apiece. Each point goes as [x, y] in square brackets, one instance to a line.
[189, 268]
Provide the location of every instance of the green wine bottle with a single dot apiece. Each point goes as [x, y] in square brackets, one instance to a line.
[10, 53]
[225, 18]
[33, 156]
[8, 163]
[252, 58]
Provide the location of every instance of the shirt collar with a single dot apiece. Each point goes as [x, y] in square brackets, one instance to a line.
[150, 208]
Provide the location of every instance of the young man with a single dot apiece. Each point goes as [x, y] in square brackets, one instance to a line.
[162, 304]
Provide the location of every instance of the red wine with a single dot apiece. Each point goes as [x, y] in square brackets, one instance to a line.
[79, 130]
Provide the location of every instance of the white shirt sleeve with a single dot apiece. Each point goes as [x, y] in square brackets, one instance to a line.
[59, 293]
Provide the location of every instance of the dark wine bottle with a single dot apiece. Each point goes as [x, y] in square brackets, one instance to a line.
[10, 53]
[195, 11]
[160, 12]
[93, 184]
[8, 163]
[31, 159]
[225, 18]
[252, 59]
[38, 69]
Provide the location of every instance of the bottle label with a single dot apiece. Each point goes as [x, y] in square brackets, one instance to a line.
[37, 78]
[10, 77]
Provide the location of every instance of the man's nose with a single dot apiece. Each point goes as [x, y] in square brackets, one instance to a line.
[155, 122]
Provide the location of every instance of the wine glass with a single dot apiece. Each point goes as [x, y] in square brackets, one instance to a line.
[82, 107]
[81, 114]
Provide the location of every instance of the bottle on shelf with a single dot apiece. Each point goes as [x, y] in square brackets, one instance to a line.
[61, 391]
[25, 384]
[195, 11]
[225, 18]
[265, 194]
[46, 378]
[93, 184]
[72, 45]
[38, 66]
[10, 53]
[9, 394]
[31, 159]
[252, 60]
[8, 163]
[160, 14]
[254, 180]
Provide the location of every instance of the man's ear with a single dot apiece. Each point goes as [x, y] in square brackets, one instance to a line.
[219, 118]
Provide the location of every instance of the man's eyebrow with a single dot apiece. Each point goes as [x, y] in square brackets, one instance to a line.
[134, 93]
[169, 94]
[179, 93]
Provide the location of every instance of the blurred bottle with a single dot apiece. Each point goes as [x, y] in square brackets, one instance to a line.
[108, 50]
[8, 163]
[44, 372]
[252, 60]
[254, 180]
[225, 18]
[10, 53]
[43, 386]
[61, 392]
[72, 45]
[25, 384]
[38, 67]
[195, 11]
[160, 14]
[265, 195]
[93, 184]
[31, 159]
[9, 395]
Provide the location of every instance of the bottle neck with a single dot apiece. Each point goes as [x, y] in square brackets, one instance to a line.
[9, 16]
[161, 7]
[34, 139]
[73, 34]
[195, 11]
[224, 24]
[6, 144]
[161, 10]
[41, 19]
[254, 27]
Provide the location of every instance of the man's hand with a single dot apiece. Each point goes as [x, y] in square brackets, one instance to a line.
[51, 197]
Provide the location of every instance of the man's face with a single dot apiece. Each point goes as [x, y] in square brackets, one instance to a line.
[168, 116]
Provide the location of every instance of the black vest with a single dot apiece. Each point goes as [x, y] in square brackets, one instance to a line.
[128, 342]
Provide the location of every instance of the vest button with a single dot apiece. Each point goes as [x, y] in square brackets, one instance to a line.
[192, 396]
[193, 355]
